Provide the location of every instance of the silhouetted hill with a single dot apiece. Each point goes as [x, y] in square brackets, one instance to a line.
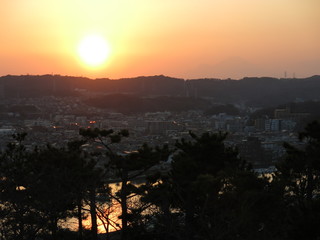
[263, 91]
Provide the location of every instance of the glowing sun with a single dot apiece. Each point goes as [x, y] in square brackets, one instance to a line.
[93, 50]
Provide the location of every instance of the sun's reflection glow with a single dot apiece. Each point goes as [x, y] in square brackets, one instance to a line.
[107, 219]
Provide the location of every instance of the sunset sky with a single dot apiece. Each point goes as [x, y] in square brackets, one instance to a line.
[178, 38]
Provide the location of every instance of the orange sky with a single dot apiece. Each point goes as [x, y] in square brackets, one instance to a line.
[179, 38]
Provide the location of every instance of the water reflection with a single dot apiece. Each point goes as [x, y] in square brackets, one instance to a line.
[108, 212]
[107, 217]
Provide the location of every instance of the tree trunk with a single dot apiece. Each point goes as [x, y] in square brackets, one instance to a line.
[80, 227]
[93, 214]
[310, 184]
[54, 228]
[167, 218]
[124, 206]
[190, 218]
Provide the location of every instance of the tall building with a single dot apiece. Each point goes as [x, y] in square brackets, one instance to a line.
[287, 113]
[273, 125]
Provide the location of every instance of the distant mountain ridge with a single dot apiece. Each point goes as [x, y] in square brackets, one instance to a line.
[262, 91]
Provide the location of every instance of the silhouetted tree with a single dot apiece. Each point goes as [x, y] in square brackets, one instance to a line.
[19, 220]
[125, 168]
[40, 187]
[299, 176]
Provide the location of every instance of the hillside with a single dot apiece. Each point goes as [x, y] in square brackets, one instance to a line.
[251, 91]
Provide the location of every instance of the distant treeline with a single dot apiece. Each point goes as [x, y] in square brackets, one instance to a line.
[263, 91]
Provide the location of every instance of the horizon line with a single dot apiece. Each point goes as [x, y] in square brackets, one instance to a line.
[157, 75]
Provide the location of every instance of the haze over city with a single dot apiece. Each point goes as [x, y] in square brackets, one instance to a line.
[186, 39]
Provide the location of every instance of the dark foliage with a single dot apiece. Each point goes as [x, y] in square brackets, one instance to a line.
[204, 190]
